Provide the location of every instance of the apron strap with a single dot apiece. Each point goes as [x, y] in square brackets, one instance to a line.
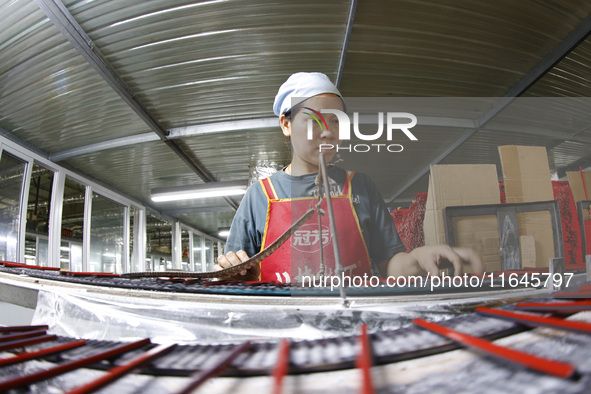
[268, 189]
[347, 186]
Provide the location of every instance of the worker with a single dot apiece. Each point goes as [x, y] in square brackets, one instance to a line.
[368, 241]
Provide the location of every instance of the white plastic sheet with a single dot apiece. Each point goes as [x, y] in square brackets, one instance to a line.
[110, 317]
[102, 316]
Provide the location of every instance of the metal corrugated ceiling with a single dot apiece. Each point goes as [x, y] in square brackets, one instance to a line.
[190, 66]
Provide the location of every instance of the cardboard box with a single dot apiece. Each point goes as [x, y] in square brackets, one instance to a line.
[481, 234]
[527, 244]
[526, 174]
[576, 184]
[491, 258]
[457, 185]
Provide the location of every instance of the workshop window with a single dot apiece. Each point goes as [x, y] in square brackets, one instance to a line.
[72, 225]
[37, 233]
[208, 254]
[185, 261]
[12, 171]
[159, 244]
[197, 248]
[106, 235]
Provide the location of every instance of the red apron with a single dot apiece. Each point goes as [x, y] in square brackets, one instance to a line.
[300, 255]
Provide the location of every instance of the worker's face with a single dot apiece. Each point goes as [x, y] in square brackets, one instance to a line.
[308, 149]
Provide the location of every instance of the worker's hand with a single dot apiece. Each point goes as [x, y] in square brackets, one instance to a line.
[234, 258]
[431, 259]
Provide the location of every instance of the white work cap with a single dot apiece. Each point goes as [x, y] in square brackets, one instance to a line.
[302, 85]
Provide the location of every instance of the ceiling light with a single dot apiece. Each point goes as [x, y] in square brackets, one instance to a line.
[213, 189]
[223, 231]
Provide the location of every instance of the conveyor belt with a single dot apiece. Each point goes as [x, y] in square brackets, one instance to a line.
[389, 346]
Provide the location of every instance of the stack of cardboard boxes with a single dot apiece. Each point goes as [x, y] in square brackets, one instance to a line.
[526, 174]
[455, 185]
[527, 178]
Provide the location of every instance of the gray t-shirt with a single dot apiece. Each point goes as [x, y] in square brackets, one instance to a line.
[376, 224]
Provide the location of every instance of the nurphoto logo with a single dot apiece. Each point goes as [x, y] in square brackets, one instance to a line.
[393, 123]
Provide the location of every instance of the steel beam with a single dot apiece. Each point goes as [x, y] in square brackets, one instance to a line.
[348, 30]
[59, 15]
[176, 133]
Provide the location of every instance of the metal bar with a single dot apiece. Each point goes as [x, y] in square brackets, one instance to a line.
[585, 294]
[21, 265]
[583, 180]
[101, 146]
[322, 270]
[580, 131]
[177, 248]
[23, 207]
[175, 133]
[55, 220]
[346, 40]
[140, 235]
[120, 371]
[282, 365]
[538, 321]
[364, 361]
[223, 127]
[59, 15]
[200, 377]
[24, 335]
[69, 366]
[556, 307]
[86, 229]
[26, 342]
[550, 367]
[21, 357]
[12, 138]
[583, 206]
[546, 64]
[539, 132]
[239, 125]
[575, 37]
[333, 227]
[204, 265]
[23, 328]
[125, 259]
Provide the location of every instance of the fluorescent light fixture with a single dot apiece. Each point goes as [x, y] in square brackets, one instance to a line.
[223, 231]
[213, 189]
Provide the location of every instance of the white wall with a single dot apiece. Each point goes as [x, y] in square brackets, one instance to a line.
[13, 315]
